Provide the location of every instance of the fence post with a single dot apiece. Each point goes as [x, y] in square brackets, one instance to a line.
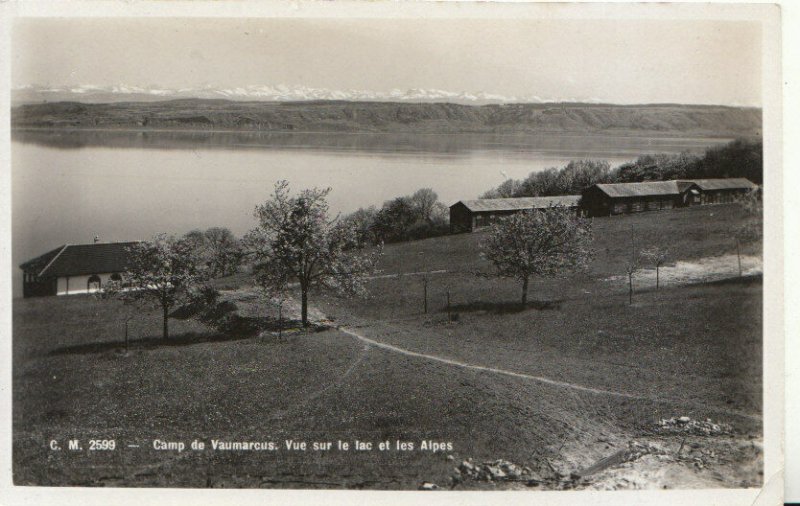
[657, 266]
[633, 246]
[425, 293]
[739, 257]
[630, 287]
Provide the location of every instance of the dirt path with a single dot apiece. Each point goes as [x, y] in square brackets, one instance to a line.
[663, 469]
[705, 269]
[389, 276]
[464, 365]
[495, 370]
[280, 414]
[403, 274]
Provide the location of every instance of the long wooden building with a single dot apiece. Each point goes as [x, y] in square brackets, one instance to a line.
[470, 215]
[721, 191]
[622, 198]
[625, 198]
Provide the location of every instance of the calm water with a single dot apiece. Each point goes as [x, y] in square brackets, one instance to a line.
[69, 187]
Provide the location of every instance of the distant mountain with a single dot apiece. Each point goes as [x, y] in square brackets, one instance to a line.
[395, 116]
[280, 93]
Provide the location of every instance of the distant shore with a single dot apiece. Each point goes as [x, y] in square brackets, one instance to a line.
[633, 134]
[326, 117]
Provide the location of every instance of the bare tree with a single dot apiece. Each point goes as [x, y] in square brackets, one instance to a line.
[630, 269]
[295, 239]
[752, 228]
[423, 201]
[224, 250]
[656, 255]
[549, 243]
[506, 189]
[632, 266]
[218, 249]
[160, 273]
[363, 220]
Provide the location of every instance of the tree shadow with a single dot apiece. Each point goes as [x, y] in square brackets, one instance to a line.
[240, 328]
[148, 343]
[505, 307]
[745, 279]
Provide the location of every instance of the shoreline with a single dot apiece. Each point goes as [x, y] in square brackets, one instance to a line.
[597, 134]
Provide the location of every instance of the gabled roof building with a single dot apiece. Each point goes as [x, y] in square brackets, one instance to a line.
[74, 268]
[720, 191]
[470, 215]
[624, 198]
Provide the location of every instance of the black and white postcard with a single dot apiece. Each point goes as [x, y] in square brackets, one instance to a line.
[440, 248]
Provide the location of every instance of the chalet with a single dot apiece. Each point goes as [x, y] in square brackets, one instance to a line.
[624, 198]
[719, 191]
[469, 215]
[74, 268]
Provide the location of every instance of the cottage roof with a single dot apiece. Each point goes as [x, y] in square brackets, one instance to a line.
[35, 265]
[519, 204]
[733, 183]
[643, 189]
[79, 259]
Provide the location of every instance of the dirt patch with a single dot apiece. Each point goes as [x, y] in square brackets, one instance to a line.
[690, 462]
[706, 269]
[697, 462]
[681, 453]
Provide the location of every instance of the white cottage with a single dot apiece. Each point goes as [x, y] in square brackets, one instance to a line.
[74, 268]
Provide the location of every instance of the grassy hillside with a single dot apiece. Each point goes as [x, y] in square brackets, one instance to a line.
[197, 114]
[576, 324]
[690, 233]
[685, 350]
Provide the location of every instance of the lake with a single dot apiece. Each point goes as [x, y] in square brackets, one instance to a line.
[68, 187]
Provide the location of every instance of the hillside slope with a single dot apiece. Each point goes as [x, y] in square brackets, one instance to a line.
[206, 114]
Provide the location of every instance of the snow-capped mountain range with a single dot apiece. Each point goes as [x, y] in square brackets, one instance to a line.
[279, 93]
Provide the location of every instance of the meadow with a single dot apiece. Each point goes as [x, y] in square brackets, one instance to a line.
[612, 370]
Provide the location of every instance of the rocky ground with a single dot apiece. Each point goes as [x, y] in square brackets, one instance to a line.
[685, 453]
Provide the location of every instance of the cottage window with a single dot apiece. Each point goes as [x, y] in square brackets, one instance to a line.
[94, 283]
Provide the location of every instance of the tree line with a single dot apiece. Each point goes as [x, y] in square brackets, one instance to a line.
[295, 245]
[739, 158]
[294, 242]
[403, 218]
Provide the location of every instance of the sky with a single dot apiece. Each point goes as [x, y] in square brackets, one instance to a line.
[617, 61]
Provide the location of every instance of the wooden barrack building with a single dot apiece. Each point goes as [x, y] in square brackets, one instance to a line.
[625, 198]
[470, 215]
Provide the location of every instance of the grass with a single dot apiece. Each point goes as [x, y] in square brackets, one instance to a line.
[689, 233]
[684, 350]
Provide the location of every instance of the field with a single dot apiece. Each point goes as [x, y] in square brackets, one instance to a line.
[577, 375]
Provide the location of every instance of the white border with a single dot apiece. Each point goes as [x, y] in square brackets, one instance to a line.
[774, 247]
[791, 73]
